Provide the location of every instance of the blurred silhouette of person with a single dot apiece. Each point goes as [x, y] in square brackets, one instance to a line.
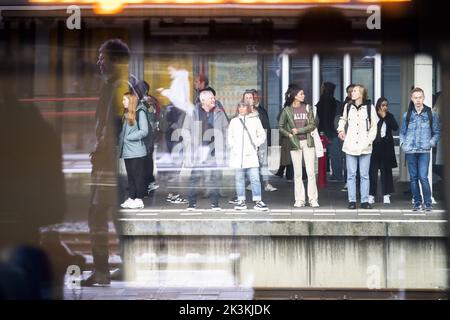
[113, 64]
[327, 108]
[201, 83]
[32, 192]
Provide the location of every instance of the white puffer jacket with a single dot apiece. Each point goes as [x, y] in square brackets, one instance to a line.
[360, 134]
[242, 153]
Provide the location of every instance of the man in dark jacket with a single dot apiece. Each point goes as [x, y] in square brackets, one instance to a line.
[113, 64]
[327, 108]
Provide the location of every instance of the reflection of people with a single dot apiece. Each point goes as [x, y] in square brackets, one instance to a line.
[32, 193]
[204, 139]
[419, 133]
[133, 150]
[113, 64]
[245, 135]
[383, 153]
[326, 110]
[358, 141]
[174, 115]
[178, 93]
[297, 122]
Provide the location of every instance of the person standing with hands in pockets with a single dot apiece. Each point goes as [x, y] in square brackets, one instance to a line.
[361, 118]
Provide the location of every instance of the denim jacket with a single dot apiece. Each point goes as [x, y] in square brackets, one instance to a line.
[417, 137]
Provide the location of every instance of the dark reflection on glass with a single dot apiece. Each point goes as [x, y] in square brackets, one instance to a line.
[70, 187]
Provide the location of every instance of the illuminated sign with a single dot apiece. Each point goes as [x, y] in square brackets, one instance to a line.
[115, 6]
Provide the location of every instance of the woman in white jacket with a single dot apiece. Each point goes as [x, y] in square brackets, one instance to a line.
[245, 135]
[360, 116]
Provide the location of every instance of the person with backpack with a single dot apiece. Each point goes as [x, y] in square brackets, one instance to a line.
[245, 135]
[420, 131]
[153, 107]
[132, 149]
[361, 118]
[383, 153]
[297, 123]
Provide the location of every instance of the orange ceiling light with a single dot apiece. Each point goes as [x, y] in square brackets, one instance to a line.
[116, 6]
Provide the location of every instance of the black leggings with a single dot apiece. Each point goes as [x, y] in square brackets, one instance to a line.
[136, 177]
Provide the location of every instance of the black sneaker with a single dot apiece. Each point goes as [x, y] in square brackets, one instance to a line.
[352, 205]
[428, 208]
[234, 201]
[240, 205]
[417, 207]
[261, 206]
[366, 205]
[215, 207]
[191, 207]
[172, 196]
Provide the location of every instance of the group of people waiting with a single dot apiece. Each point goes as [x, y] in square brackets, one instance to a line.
[357, 129]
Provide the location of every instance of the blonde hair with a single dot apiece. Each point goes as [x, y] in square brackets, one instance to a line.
[417, 89]
[132, 106]
[362, 91]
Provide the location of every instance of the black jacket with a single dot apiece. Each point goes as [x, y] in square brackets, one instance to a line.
[264, 118]
[383, 148]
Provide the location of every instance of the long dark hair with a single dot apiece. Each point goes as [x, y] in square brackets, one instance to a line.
[379, 102]
[290, 95]
[290, 88]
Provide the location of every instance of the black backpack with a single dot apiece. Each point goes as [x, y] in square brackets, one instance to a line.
[368, 103]
[148, 140]
[426, 109]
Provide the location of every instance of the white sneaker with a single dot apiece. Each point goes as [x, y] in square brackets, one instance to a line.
[387, 199]
[270, 188]
[314, 204]
[136, 204]
[260, 206]
[299, 204]
[371, 199]
[126, 204]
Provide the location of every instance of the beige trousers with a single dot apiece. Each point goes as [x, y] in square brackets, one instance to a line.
[309, 155]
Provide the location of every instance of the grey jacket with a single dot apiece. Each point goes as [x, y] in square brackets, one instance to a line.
[199, 150]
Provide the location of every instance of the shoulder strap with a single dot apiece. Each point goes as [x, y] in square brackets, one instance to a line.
[137, 117]
[430, 119]
[248, 133]
[408, 116]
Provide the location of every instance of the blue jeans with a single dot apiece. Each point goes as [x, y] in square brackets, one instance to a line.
[253, 176]
[418, 171]
[352, 167]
